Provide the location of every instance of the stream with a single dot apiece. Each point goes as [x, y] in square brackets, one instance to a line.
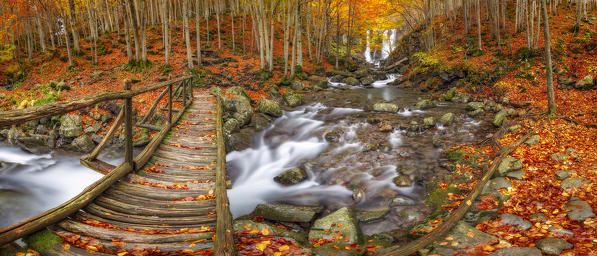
[31, 184]
[350, 161]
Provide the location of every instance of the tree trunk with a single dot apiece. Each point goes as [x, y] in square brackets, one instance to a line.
[197, 29]
[550, 91]
[479, 26]
[165, 24]
[187, 33]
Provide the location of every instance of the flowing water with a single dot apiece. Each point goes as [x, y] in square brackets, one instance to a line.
[388, 44]
[31, 184]
[350, 162]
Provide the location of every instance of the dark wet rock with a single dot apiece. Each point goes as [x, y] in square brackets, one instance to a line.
[240, 224]
[297, 85]
[517, 251]
[403, 181]
[425, 104]
[112, 107]
[341, 222]
[293, 99]
[585, 83]
[287, 212]
[83, 144]
[500, 118]
[558, 157]
[533, 140]
[402, 201]
[71, 126]
[472, 106]
[337, 78]
[570, 184]
[238, 141]
[269, 107]
[35, 143]
[292, 176]
[361, 73]
[351, 81]
[464, 235]
[261, 121]
[515, 220]
[97, 138]
[429, 122]
[553, 246]
[332, 137]
[579, 210]
[519, 175]
[564, 174]
[509, 164]
[447, 119]
[411, 215]
[371, 215]
[385, 107]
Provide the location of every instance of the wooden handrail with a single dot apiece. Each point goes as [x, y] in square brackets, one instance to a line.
[19, 116]
[224, 243]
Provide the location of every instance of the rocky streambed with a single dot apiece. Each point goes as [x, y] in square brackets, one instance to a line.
[353, 160]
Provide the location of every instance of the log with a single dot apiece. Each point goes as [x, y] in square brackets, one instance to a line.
[19, 116]
[97, 165]
[440, 231]
[106, 138]
[224, 243]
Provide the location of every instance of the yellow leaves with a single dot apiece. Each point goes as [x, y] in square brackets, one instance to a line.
[283, 248]
[262, 245]
[122, 253]
[66, 247]
[265, 232]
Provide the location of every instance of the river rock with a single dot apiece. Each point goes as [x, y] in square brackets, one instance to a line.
[269, 107]
[517, 251]
[533, 140]
[293, 99]
[475, 113]
[509, 164]
[332, 136]
[558, 157]
[238, 141]
[292, 176]
[425, 104]
[351, 81]
[297, 85]
[472, 106]
[342, 222]
[585, 83]
[402, 181]
[447, 119]
[579, 210]
[361, 73]
[106, 118]
[553, 246]
[93, 128]
[287, 212]
[500, 118]
[83, 144]
[371, 215]
[386, 128]
[429, 122]
[368, 80]
[464, 235]
[564, 174]
[402, 201]
[571, 183]
[515, 220]
[71, 126]
[240, 224]
[497, 183]
[385, 107]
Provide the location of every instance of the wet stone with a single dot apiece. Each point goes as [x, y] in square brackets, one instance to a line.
[425, 104]
[571, 183]
[386, 128]
[286, 212]
[342, 222]
[402, 201]
[515, 220]
[553, 246]
[292, 176]
[385, 107]
[429, 122]
[402, 181]
[447, 119]
[472, 106]
[517, 251]
[371, 215]
[579, 210]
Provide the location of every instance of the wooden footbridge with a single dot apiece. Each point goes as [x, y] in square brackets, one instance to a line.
[170, 199]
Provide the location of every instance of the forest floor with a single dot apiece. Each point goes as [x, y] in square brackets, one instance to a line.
[559, 169]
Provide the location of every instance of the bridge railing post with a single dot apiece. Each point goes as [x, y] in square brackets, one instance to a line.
[128, 126]
[170, 88]
[184, 93]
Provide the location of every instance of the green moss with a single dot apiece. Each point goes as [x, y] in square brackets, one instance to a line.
[42, 241]
[438, 197]
[455, 155]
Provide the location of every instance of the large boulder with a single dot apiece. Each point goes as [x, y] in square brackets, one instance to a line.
[83, 144]
[293, 99]
[368, 80]
[385, 107]
[269, 107]
[447, 119]
[341, 223]
[71, 126]
[351, 81]
[361, 73]
[287, 212]
[425, 104]
[292, 176]
[585, 83]
[297, 85]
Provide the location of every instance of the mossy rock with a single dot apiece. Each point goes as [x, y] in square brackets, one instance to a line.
[42, 241]
[455, 155]
[438, 197]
